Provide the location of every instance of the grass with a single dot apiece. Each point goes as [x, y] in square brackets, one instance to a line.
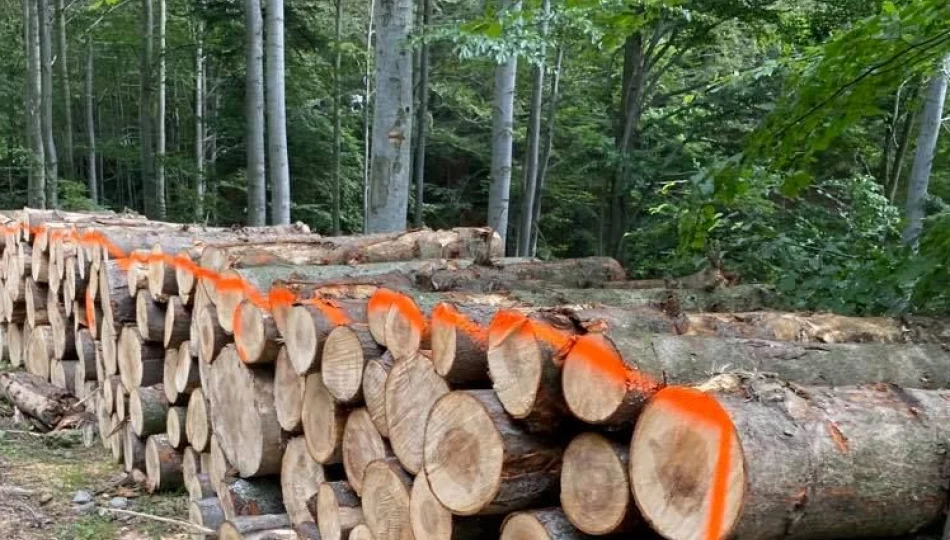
[91, 527]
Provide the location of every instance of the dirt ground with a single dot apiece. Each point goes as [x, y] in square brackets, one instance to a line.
[39, 477]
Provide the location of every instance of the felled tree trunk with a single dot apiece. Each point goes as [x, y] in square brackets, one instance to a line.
[250, 497]
[36, 397]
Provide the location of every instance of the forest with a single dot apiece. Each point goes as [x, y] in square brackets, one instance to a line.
[795, 143]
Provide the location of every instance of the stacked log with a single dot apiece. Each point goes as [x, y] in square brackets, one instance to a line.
[397, 386]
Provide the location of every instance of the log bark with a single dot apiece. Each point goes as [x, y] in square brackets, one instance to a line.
[140, 363]
[362, 445]
[211, 337]
[740, 298]
[345, 352]
[432, 521]
[608, 397]
[374, 390]
[288, 393]
[149, 317]
[338, 510]
[308, 327]
[148, 410]
[133, 449]
[197, 481]
[40, 352]
[322, 420]
[177, 323]
[198, 421]
[412, 389]
[790, 461]
[595, 487]
[118, 306]
[512, 274]
[460, 343]
[255, 335]
[242, 411]
[163, 465]
[206, 513]
[250, 497]
[547, 524]
[386, 490]
[36, 296]
[479, 461]
[257, 527]
[36, 397]
[300, 479]
[175, 422]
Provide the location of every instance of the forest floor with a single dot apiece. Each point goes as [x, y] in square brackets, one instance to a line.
[40, 476]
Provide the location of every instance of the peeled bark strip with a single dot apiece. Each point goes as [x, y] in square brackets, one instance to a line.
[206, 513]
[255, 335]
[133, 453]
[197, 480]
[140, 363]
[595, 488]
[211, 337]
[148, 410]
[36, 397]
[374, 390]
[39, 352]
[198, 421]
[362, 444]
[175, 427]
[815, 462]
[345, 352]
[547, 524]
[605, 397]
[338, 510]
[250, 497]
[258, 527]
[36, 296]
[386, 490]
[288, 393]
[300, 478]
[149, 317]
[177, 323]
[412, 388]
[242, 410]
[479, 461]
[322, 420]
[432, 521]
[163, 465]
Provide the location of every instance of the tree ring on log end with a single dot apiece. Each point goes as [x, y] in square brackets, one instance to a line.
[595, 492]
[342, 364]
[302, 341]
[514, 361]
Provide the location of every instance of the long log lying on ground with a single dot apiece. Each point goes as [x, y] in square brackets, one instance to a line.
[478, 461]
[729, 299]
[606, 396]
[36, 397]
[803, 462]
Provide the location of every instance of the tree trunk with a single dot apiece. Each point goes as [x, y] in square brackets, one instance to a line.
[36, 397]
[386, 489]
[547, 524]
[62, 62]
[502, 137]
[422, 118]
[412, 389]
[530, 183]
[338, 510]
[277, 115]
[199, 123]
[362, 444]
[392, 118]
[46, 15]
[337, 129]
[926, 146]
[160, 117]
[300, 479]
[254, 114]
[595, 488]
[145, 111]
[546, 152]
[471, 439]
[788, 461]
[163, 465]
[323, 422]
[36, 196]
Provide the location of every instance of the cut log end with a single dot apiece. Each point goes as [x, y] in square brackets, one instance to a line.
[374, 390]
[412, 388]
[323, 421]
[548, 524]
[300, 477]
[362, 444]
[288, 393]
[342, 364]
[595, 492]
[255, 335]
[386, 491]
[338, 510]
[429, 519]
[198, 421]
[162, 465]
[148, 410]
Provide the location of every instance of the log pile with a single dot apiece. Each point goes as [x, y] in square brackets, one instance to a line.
[398, 386]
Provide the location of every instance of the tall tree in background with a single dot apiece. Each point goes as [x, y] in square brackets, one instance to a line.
[930, 122]
[392, 118]
[45, 13]
[145, 110]
[337, 99]
[36, 191]
[199, 121]
[160, 115]
[62, 63]
[91, 173]
[277, 115]
[529, 185]
[545, 159]
[422, 119]
[254, 114]
[502, 136]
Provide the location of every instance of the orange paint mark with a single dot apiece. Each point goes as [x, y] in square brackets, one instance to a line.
[839, 439]
[380, 302]
[558, 340]
[448, 315]
[504, 323]
[407, 307]
[705, 408]
[599, 353]
[333, 313]
[279, 296]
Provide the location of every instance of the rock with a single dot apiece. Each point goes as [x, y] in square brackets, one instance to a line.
[86, 508]
[45, 498]
[119, 502]
[82, 497]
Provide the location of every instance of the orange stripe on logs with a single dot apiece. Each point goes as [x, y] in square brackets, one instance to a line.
[407, 307]
[446, 314]
[332, 312]
[380, 302]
